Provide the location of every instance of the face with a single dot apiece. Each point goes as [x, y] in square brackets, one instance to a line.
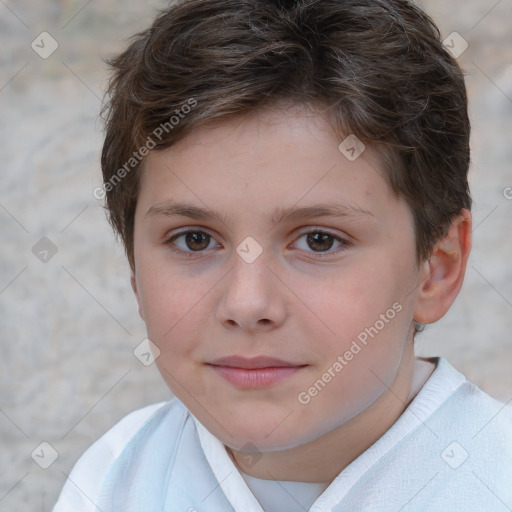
[277, 321]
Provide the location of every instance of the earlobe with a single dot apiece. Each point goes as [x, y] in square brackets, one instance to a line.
[133, 282]
[443, 274]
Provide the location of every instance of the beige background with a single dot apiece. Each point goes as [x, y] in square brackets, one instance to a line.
[69, 326]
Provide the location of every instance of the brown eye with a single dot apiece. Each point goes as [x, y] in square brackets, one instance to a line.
[195, 240]
[320, 241]
[192, 241]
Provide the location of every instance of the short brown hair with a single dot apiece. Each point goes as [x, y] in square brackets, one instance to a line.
[378, 67]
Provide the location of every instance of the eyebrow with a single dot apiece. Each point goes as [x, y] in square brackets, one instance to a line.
[330, 209]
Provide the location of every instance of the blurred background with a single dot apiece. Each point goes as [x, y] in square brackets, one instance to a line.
[68, 318]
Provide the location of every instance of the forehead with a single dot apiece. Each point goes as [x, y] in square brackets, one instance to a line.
[267, 163]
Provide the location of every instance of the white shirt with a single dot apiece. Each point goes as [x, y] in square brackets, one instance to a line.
[451, 450]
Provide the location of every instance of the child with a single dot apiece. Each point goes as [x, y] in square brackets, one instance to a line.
[289, 180]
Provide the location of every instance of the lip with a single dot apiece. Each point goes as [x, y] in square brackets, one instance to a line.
[255, 372]
[251, 363]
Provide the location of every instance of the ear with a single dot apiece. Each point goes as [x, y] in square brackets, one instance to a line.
[133, 282]
[443, 273]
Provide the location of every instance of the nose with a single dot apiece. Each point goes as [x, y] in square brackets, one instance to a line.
[252, 298]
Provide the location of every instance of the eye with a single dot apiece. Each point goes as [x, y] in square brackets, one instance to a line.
[198, 241]
[322, 241]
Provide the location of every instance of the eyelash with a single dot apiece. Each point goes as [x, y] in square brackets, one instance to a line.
[171, 239]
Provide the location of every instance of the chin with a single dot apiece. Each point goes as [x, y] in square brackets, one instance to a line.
[257, 433]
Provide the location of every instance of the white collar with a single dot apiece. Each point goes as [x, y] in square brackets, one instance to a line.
[227, 474]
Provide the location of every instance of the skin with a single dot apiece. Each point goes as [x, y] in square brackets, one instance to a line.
[291, 303]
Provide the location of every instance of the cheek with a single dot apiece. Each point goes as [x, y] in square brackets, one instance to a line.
[169, 304]
[357, 371]
[175, 317]
[360, 352]
[352, 302]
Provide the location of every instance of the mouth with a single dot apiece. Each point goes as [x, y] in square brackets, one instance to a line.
[256, 372]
